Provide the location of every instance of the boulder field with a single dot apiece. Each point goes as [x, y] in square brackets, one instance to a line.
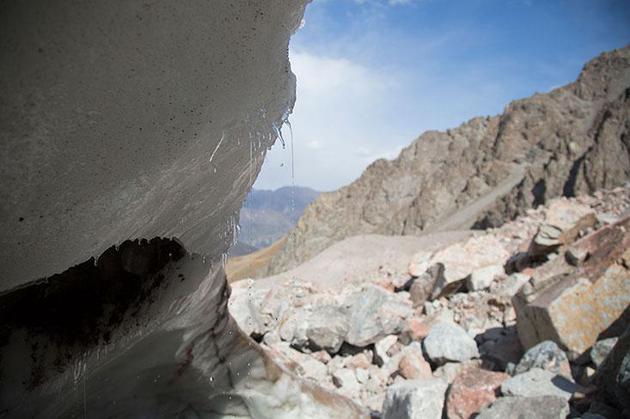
[490, 323]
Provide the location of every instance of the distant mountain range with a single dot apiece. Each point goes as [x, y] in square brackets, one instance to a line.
[268, 215]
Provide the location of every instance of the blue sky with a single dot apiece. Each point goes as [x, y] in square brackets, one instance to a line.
[374, 74]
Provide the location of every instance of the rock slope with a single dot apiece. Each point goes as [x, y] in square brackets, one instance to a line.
[572, 140]
[491, 323]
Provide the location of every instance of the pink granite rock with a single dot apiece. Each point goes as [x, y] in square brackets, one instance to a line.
[472, 390]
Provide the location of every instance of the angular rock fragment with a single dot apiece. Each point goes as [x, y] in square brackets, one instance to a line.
[412, 364]
[538, 382]
[293, 328]
[511, 285]
[574, 312]
[449, 371]
[415, 329]
[381, 347]
[327, 328]
[460, 260]
[573, 305]
[473, 389]
[563, 222]
[415, 399]
[374, 313]
[601, 349]
[545, 407]
[547, 356]
[593, 253]
[447, 342]
[422, 286]
[307, 366]
[482, 278]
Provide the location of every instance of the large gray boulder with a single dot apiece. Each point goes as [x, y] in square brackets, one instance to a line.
[538, 382]
[373, 314]
[547, 356]
[543, 407]
[327, 328]
[448, 342]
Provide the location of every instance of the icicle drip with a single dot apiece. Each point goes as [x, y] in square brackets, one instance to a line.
[292, 166]
[278, 131]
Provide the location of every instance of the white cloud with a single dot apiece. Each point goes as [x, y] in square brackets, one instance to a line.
[349, 114]
[363, 151]
[366, 86]
[389, 2]
[326, 76]
[314, 145]
[339, 123]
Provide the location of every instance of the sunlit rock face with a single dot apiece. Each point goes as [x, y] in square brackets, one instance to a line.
[130, 133]
[572, 140]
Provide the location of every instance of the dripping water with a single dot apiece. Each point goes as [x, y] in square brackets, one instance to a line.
[285, 121]
[292, 167]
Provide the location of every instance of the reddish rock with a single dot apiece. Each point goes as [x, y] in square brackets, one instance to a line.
[413, 366]
[472, 390]
[386, 282]
[322, 356]
[360, 360]
[417, 329]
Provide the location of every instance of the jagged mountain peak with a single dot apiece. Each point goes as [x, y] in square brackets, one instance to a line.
[574, 139]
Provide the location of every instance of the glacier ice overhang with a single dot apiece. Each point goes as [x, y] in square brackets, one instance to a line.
[125, 125]
[131, 119]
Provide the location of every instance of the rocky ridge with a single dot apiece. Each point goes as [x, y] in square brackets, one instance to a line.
[454, 336]
[572, 140]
